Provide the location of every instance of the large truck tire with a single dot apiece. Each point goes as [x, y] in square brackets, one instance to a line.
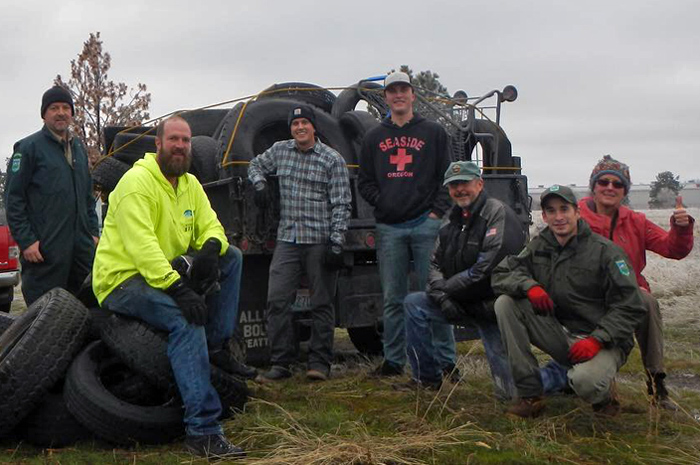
[204, 150]
[145, 351]
[349, 98]
[355, 124]
[114, 419]
[496, 147]
[51, 424]
[302, 92]
[35, 352]
[205, 121]
[107, 174]
[264, 122]
[6, 321]
[7, 294]
[131, 147]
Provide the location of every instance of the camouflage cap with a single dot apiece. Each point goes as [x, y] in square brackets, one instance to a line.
[461, 171]
[563, 192]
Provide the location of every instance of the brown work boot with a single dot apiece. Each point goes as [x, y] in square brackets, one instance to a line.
[527, 407]
[610, 407]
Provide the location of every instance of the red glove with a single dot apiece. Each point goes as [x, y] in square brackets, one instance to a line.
[540, 300]
[585, 349]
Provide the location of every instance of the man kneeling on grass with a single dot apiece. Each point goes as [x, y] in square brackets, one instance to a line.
[572, 294]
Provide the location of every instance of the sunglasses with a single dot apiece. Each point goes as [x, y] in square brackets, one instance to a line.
[606, 182]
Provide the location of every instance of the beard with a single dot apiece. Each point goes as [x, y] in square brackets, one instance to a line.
[174, 167]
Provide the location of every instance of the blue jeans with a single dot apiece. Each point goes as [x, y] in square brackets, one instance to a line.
[421, 312]
[187, 343]
[395, 245]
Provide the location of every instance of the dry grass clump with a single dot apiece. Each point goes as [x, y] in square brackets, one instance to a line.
[293, 443]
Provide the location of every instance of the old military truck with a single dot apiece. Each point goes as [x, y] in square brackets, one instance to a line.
[224, 141]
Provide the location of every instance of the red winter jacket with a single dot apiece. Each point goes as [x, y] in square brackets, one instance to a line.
[636, 234]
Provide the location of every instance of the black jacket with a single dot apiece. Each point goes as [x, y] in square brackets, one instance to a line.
[468, 249]
[402, 170]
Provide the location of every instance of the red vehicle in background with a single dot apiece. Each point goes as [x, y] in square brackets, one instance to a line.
[9, 265]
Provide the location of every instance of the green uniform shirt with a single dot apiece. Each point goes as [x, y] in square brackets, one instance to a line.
[589, 279]
[148, 224]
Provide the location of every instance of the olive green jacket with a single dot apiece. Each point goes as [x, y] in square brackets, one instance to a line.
[589, 279]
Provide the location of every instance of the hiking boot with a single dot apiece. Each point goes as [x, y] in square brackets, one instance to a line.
[275, 373]
[527, 407]
[451, 373]
[386, 369]
[212, 446]
[225, 360]
[610, 407]
[413, 385]
[656, 388]
[316, 375]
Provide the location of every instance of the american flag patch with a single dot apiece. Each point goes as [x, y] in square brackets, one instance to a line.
[491, 232]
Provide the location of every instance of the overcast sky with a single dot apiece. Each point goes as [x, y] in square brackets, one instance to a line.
[619, 77]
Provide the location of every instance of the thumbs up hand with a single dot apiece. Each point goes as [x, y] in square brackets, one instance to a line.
[680, 215]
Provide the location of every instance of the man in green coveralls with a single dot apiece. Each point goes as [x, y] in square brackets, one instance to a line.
[50, 204]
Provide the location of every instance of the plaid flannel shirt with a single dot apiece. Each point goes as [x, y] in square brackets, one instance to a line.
[314, 191]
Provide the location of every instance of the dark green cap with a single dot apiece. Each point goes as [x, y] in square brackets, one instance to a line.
[563, 192]
[461, 171]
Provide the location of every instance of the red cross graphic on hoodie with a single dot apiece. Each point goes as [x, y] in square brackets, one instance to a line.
[401, 159]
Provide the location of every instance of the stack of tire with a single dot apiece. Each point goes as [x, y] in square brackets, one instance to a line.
[244, 131]
[60, 384]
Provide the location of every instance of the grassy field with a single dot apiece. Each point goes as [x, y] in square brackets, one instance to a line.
[352, 419]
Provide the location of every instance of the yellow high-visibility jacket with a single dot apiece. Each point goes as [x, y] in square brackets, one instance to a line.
[148, 224]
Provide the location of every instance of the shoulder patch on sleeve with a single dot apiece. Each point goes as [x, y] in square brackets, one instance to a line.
[16, 162]
[622, 266]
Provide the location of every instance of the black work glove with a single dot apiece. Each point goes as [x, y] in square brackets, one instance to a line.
[453, 285]
[191, 304]
[333, 259]
[262, 195]
[452, 310]
[436, 290]
[205, 263]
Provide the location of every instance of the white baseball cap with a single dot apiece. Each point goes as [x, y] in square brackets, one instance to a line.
[397, 77]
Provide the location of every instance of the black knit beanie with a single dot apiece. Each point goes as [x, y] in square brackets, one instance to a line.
[56, 94]
[301, 111]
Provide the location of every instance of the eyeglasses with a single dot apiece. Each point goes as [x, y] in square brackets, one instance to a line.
[606, 182]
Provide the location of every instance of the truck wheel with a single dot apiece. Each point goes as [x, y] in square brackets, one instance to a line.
[367, 340]
[204, 150]
[6, 296]
[5, 321]
[151, 421]
[315, 95]
[349, 98]
[145, 351]
[50, 424]
[131, 147]
[107, 174]
[35, 352]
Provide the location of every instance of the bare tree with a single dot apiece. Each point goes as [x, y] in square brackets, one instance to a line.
[100, 102]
